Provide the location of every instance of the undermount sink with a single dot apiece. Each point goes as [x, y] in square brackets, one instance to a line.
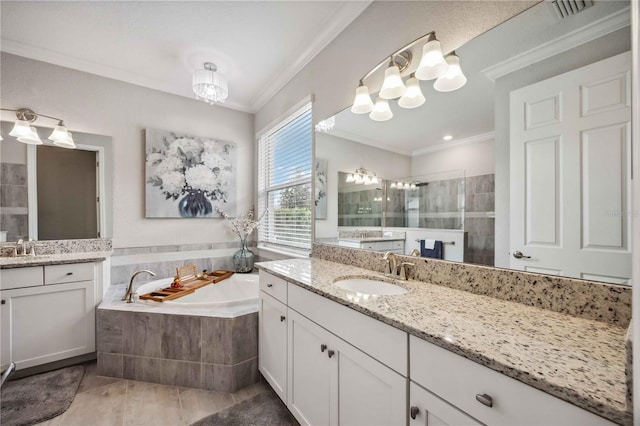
[370, 286]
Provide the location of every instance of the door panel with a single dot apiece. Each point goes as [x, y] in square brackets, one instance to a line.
[273, 344]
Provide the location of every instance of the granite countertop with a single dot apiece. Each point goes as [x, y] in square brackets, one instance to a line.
[52, 259]
[578, 360]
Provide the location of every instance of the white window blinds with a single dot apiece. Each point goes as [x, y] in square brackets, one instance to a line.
[284, 182]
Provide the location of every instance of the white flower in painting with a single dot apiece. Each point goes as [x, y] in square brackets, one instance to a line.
[188, 146]
[200, 177]
[213, 160]
[172, 182]
[212, 147]
[224, 177]
[168, 164]
[154, 158]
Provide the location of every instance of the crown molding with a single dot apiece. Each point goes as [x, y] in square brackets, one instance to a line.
[589, 32]
[365, 141]
[68, 61]
[483, 137]
[347, 13]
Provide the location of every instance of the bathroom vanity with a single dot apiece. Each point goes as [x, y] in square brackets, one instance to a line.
[435, 354]
[47, 309]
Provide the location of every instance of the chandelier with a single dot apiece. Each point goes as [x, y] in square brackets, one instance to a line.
[325, 126]
[209, 85]
[25, 132]
[433, 65]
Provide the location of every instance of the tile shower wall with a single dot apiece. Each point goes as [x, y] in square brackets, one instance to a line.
[440, 205]
[479, 221]
[14, 201]
[360, 208]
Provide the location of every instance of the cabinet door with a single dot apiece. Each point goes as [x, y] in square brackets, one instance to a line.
[364, 391]
[426, 409]
[309, 371]
[47, 323]
[273, 344]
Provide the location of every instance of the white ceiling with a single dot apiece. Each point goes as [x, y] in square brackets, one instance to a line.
[257, 45]
[467, 113]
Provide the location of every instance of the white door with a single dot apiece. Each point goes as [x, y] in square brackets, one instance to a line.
[426, 409]
[47, 323]
[273, 344]
[363, 391]
[309, 371]
[570, 173]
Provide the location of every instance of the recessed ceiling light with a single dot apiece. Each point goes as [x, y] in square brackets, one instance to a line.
[447, 137]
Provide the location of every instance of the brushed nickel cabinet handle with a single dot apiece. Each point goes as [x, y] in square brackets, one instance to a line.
[414, 412]
[330, 353]
[485, 399]
[323, 347]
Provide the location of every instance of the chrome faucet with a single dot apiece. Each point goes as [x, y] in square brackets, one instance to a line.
[128, 297]
[391, 263]
[19, 249]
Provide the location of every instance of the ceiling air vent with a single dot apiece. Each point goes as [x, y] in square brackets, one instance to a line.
[565, 8]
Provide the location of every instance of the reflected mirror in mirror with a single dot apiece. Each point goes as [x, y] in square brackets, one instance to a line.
[53, 193]
[541, 135]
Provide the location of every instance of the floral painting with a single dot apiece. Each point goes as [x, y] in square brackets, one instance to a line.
[189, 176]
[321, 188]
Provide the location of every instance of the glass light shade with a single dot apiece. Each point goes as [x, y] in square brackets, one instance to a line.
[453, 79]
[381, 110]
[413, 186]
[32, 138]
[399, 185]
[407, 186]
[362, 103]
[413, 97]
[21, 128]
[350, 178]
[65, 142]
[393, 86]
[210, 86]
[359, 179]
[432, 65]
[393, 185]
[374, 180]
[59, 132]
[366, 180]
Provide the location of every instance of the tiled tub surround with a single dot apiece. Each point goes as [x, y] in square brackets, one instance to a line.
[213, 348]
[14, 216]
[479, 223]
[575, 358]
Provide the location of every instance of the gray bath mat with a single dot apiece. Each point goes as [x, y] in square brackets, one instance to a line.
[263, 409]
[38, 398]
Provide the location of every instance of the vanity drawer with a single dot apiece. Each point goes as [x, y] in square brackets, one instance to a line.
[273, 286]
[458, 380]
[59, 274]
[21, 277]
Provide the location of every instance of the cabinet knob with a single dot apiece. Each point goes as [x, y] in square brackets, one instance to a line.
[414, 412]
[4, 302]
[330, 353]
[269, 285]
[69, 273]
[323, 347]
[282, 318]
[485, 399]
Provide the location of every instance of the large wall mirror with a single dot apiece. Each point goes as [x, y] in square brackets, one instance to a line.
[53, 193]
[527, 166]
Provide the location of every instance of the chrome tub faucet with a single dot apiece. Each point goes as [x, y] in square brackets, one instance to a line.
[128, 297]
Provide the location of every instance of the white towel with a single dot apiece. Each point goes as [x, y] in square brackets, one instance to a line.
[429, 244]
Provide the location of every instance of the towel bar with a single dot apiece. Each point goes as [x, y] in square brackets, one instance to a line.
[452, 243]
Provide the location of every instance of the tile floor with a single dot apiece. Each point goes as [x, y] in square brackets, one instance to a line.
[117, 402]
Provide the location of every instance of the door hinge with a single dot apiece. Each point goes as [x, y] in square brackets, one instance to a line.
[98, 199]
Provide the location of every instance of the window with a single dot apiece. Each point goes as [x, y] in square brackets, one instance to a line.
[284, 182]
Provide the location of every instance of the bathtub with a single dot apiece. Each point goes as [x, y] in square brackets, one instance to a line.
[206, 340]
[239, 289]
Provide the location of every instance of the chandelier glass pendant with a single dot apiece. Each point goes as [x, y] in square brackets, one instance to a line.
[25, 132]
[433, 66]
[209, 85]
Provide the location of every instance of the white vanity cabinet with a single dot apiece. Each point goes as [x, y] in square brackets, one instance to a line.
[478, 394]
[342, 366]
[394, 246]
[47, 313]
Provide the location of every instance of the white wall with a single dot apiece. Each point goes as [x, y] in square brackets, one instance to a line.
[93, 104]
[475, 158]
[346, 156]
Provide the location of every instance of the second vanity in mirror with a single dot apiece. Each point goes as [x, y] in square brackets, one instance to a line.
[499, 167]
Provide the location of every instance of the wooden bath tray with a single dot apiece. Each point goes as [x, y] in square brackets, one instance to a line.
[187, 276]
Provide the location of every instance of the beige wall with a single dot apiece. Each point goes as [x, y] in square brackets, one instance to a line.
[93, 104]
[475, 159]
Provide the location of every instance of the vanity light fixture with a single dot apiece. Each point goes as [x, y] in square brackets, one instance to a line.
[406, 186]
[25, 132]
[454, 78]
[433, 65]
[209, 85]
[362, 177]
